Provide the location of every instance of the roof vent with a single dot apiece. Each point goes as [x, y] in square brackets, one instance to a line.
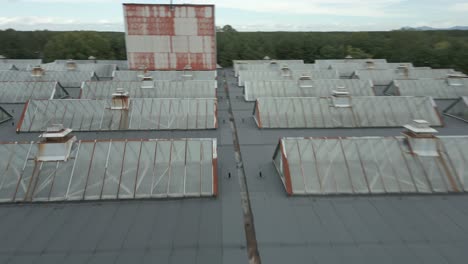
[266, 58]
[2, 57]
[187, 75]
[370, 64]
[71, 65]
[56, 144]
[37, 71]
[421, 139]
[349, 57]
[285, 71]
[120, 100]
[305, 81]
[341, 97]
[455, 79]
[147, 82]
[91, 58]
[403, 69]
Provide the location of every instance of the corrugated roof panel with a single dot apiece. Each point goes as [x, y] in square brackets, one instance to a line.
[163, 37]
[162, 89]
[20, 92]
[459, 109]
[375, 165]
[69, 79]
[111, 169]
[323, 64]
[385, 77]
[164, 75]
[101, 70]
[320, 112]
[437, 89]
[143, 114]
[122, 64]
[315, 88]
[238, 64]
[21, 64]
[277, 76]
[346, 69]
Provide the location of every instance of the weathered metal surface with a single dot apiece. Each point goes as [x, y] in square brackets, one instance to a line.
[170, 37]
[364, 111]
[370, 165]
[110, 169]
[452, 88]
[313, 88]
[20, 92]
[161, 89]
[143, 114]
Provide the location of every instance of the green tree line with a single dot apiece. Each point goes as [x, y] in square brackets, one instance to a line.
[437, 49]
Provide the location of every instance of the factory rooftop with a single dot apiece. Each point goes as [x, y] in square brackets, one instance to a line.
[210, 185]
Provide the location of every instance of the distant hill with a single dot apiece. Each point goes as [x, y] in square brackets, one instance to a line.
[431, 28]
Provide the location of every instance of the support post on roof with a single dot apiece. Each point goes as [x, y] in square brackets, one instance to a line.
[421, 138]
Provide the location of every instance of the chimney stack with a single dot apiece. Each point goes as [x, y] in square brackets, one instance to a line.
[420, 138]
[56, 144]
[120, 100]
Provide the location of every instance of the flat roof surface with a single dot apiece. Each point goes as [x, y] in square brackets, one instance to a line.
[357, 229]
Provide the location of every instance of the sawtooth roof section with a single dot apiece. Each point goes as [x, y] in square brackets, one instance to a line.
[276, 66]
[121, 64]
[238, 64]
[366, 111]
[450, 88]
[323, 64]
[67, 79]
[312, 88]
[97, 115]
[162, 89]
[385, 77]
[111, 169]
[370, 165]
[7, 67]
[4, 115]
[276, 75]
[165, 75]
[101, 70]
[21, 64]
[20, 92]
[459, 109]
[346, 69]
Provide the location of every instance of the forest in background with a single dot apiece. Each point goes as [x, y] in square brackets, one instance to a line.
[437, 49]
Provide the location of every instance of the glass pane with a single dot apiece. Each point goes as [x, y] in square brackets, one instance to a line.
[146, 169]
[130, 167]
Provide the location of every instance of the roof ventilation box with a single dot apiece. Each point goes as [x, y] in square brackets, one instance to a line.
[273, 65]
[403, 70]
[455, 80]
[120, 100]
[147, 82]
[420, 138]
[71, 65]
[285, 71]
[341, 97]
[187, 74]
[56, 145]
[370, 64]
[305, 82]
[37, 71]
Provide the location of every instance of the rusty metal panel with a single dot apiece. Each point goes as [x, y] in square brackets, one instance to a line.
[170, 37]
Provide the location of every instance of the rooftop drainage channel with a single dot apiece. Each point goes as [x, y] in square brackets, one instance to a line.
[252, 248]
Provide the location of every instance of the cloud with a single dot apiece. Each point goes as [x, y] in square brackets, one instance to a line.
[459, 7]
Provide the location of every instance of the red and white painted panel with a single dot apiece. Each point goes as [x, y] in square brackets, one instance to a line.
[165, 37]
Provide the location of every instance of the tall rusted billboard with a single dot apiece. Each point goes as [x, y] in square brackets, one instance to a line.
[170, 37]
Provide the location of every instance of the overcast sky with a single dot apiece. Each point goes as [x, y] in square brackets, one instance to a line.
[245, 15]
